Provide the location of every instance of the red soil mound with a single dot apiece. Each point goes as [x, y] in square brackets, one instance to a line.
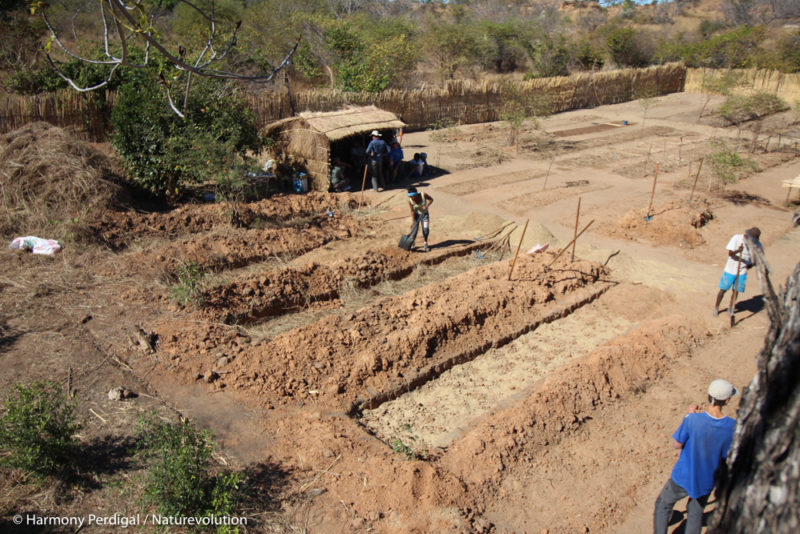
[374, 354]
[674, 224]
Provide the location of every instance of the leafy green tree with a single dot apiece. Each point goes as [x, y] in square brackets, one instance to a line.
[502, 51]
[626, 47]
[370, 59]
[163, 152]
[718, 84]
[586, 55]
[788, 50]
[452, 47]
[549, 56]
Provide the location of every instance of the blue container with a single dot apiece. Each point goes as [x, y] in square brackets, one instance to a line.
[300, 183]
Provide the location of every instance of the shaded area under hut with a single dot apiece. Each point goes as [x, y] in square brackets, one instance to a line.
[309, 142]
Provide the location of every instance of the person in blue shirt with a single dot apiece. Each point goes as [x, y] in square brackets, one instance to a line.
[377, 149]
[703, 439]
[395, 160]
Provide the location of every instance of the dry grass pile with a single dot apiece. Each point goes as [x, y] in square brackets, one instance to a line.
[53, 184]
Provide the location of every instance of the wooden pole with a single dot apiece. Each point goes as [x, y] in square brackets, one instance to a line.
[363, 184]
[653, 192]
[695, 178]
[552, 159]
[647, 160]
[575, 233]
[735, 288]
[518, 247]
[788, 195]
[568, 244]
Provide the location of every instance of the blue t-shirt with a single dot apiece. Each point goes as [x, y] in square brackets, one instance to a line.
[396, 155]
[706, 441]
[377, 148]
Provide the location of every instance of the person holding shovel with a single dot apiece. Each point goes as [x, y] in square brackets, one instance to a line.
[739, 261]
[377, 149]
[419, 204]
[703, 439]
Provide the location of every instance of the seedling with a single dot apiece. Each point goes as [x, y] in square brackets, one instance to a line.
[405, 445]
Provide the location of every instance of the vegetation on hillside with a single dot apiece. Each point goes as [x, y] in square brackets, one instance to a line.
[371, 45]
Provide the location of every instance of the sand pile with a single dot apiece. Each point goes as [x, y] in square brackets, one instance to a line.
[676, 223]
[53, 184]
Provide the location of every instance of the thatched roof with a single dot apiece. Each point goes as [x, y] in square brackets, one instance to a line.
[337, 125]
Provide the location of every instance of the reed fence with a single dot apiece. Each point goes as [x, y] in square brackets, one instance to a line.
[457, 102]
[786, 86]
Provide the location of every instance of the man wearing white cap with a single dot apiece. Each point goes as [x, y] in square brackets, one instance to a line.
[740, 260]
[376, 150]
[704, 439]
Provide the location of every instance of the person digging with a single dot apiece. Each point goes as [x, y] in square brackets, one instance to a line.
[419, 204]
[704, 439]
[739, 261]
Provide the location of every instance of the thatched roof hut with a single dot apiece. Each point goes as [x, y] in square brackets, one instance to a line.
[309, 140]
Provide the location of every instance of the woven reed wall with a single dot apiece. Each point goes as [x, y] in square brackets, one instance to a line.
[466, 102]
[85, 114]
[786, 86]
[458, 102]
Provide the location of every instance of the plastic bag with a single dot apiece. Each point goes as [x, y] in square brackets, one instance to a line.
[37, 245]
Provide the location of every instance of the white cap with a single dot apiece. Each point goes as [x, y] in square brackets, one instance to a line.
[721, 389]
[376, 133]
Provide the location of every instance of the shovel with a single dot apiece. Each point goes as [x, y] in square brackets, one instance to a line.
[735, 288]
[649, 216]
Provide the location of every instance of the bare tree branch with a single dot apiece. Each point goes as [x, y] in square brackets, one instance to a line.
[131, 24]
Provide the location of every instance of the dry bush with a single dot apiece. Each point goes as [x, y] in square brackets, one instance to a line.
[53, 184]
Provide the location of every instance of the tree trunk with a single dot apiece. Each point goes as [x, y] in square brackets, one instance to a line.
[761, 490]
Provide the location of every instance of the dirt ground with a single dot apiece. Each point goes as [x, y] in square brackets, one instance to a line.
[368, 389]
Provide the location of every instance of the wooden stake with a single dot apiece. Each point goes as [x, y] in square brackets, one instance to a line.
[575, 233]
[568, 244]
[552, 159]
[363, 184]
[735, 288]
[695, 178]
[788, 195]
[518, 247]
[647, 160]
[653, 192]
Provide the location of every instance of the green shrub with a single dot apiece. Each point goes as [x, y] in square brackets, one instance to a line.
[37, 429]
[626, 47]
[738, 108]
[549, 57]
[727, 165]
[734, 49]
[789, 52]
[179, 480]
[406, 445]
[188, 289]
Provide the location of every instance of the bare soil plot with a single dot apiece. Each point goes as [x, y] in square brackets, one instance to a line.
[368, 389]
